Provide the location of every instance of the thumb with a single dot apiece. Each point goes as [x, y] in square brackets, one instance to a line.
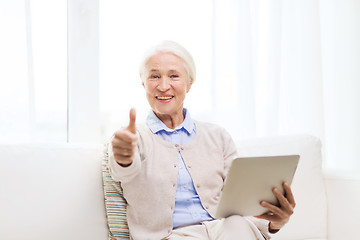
[132, 127]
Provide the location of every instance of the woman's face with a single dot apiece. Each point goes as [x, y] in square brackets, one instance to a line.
[166, 84]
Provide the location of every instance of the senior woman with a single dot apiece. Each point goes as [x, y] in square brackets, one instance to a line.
[172, 169]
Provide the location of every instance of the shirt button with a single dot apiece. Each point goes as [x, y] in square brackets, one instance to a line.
[182, 148]
[184, 186]
[174, 166]
[198, 186]
[174, 185]
[189, 166]
[207, 207]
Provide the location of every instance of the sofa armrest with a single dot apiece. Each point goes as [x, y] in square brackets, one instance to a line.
[343, 193]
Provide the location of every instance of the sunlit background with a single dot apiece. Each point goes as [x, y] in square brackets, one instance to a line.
[69, 69]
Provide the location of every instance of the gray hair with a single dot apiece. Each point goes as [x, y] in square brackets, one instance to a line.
[174, 48]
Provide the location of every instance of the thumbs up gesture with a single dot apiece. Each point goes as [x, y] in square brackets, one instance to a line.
[124, 142]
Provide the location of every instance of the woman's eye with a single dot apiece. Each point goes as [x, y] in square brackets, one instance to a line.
[174, 76]
[154, 76]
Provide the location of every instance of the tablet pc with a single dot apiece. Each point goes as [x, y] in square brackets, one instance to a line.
[251, 180]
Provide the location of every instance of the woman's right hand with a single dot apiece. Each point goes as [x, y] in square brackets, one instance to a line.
[125, 141]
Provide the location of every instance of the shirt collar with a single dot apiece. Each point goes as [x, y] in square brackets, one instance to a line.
[156, 125]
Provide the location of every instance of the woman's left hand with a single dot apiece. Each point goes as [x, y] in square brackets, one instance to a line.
[279, 216]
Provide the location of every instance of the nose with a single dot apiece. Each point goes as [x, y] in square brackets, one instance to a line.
[164, 84]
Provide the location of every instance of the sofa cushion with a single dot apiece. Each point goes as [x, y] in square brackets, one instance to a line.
[309, 220]
[115, 203]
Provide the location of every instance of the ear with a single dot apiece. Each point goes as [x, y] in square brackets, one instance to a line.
[143, 84]
[188, 87]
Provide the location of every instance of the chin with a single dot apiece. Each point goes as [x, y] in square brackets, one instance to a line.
[166, 110]
[163, 111]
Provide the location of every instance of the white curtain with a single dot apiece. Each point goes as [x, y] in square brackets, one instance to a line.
[289, 67]
[268, 65]
[265, 67]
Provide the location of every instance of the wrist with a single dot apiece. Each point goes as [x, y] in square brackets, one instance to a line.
[273, 229]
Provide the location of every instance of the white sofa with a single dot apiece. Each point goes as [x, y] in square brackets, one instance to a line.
[54, 191]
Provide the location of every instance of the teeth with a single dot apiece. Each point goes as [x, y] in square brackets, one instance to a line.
[163, 98]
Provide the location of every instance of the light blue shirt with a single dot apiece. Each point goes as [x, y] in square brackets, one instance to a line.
[188, 208]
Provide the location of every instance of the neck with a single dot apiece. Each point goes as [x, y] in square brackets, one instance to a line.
[171, 120]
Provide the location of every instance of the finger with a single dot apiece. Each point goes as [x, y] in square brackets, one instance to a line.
[132, 127]
[280, 197]
[264, 215]
[284, 203]
[267, 216]
[125, 136]
[272, 208]
[270, 216]
[289, 194]
[125, 152]
[120, 143]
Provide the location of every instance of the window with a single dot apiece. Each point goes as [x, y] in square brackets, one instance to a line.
[127, 30]
[33, 72]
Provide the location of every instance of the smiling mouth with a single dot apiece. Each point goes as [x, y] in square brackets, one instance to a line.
[164, 97]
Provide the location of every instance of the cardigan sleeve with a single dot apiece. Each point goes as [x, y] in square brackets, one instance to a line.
[229, 150]
[124, 174]
[262, 225]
